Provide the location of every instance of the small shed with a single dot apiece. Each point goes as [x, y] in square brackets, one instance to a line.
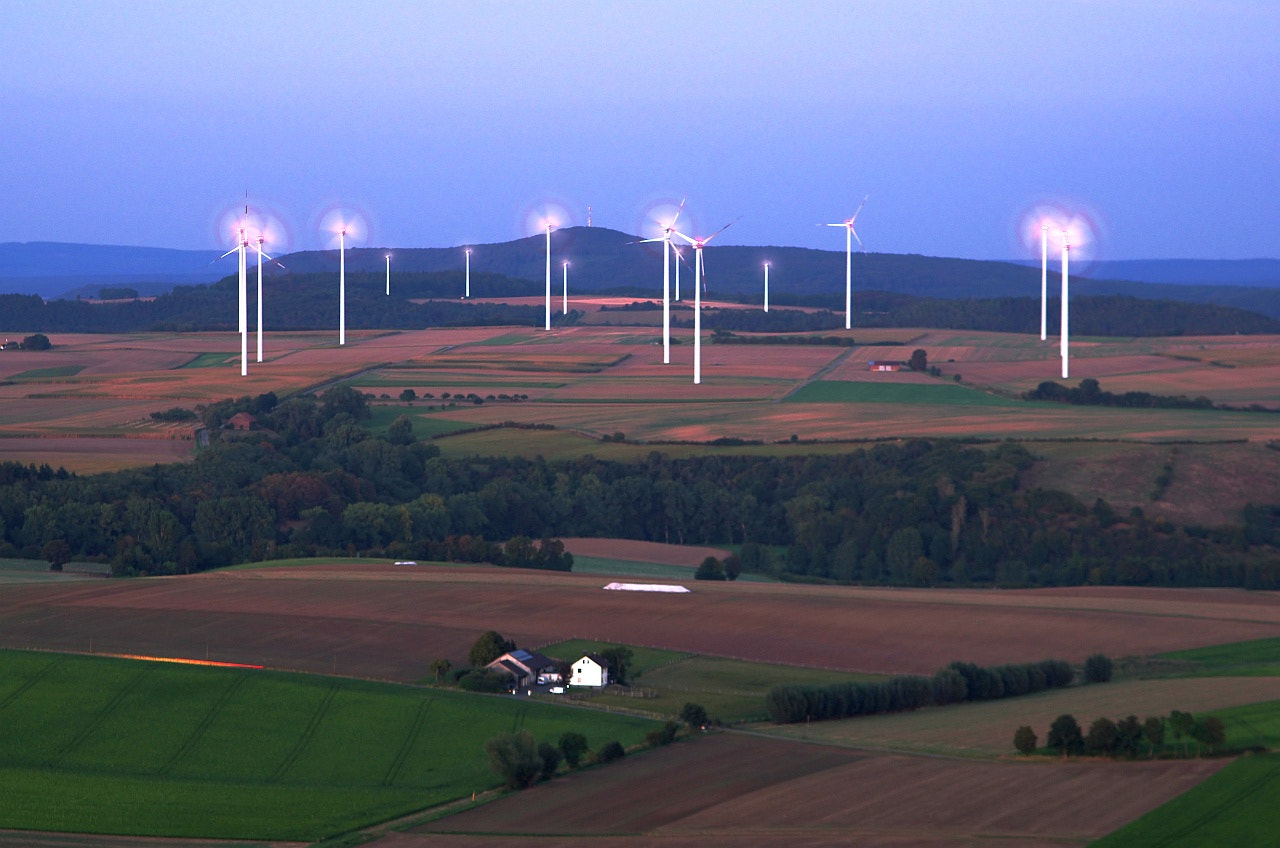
[591, 670]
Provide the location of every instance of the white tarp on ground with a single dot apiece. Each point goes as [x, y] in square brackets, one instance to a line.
[645, 587]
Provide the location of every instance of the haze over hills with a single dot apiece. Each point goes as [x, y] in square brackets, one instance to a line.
[602, 258]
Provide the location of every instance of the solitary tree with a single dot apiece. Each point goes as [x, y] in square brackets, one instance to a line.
[1024, 739]
[573, 746]
[919, 360]
[1097, 668]
[57, 553]
[440, 668]
[711, 569]
[694, 714]
[408, 395]
[514, 758]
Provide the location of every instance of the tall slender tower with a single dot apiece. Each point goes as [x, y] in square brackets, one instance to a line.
[1066, 250]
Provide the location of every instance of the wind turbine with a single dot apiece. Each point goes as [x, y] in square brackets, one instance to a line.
[242, 243]
[342, 285]
[665, 238]
[849, 235]
[261, 256]
[388, 275]
[699, 276]
[679, 258]
[1066, 250]
[766, 287]
[566, 287]
[467, 290]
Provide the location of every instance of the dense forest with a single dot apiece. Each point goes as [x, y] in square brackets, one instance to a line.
[314, 481]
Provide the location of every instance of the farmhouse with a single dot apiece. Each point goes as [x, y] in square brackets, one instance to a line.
[886, 366]
[241, 421]
[591, 670]
[526, 668]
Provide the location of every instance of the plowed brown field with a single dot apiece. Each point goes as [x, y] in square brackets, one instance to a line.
[390, 622]
[731, 790]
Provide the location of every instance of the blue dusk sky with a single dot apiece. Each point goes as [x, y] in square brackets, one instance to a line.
[143, 123]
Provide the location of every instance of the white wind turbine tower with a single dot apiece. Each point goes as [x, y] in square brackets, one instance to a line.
[1044, 281]
[566, 287]
[849, 236]
[665, 238]
[766, 287]
[388, 275]
[679, 258]
[261, 256]
[242, 244]
[548, 324]
[1066, 250]
[699, 284]
[342, 285]
[467, 291]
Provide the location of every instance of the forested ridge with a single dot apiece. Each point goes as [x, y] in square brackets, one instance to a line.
[315, 481]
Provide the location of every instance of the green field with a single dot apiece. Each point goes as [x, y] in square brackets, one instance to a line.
[425, 426]
[731, 690]
[1256, 658]
[100, 745]
[210, 360]
[1235, 807]
[1252, 725]
[838, 391]
[45, 373]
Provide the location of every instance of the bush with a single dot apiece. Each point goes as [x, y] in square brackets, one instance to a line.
[514, 758]
[1024, 739]
[694, 714]
[485, 680]
[550, 756]
[573, 746]
[711, 569]
[611, 751]
[408, 395]
[37, 341]
[664, 735]
[1097, 668]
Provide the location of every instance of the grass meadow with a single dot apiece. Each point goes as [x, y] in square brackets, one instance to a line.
[1255, 658]
[731, 690]
[840, 391]
[101, 745]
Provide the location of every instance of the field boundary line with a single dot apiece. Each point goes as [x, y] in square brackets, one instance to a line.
[205, 723]
[411, 738]
[35, 678]
[307, 735]
[92, 724]
[819, 374]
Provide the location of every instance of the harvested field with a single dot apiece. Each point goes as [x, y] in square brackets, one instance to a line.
[93, 455]
[986, 728]
[730, 790]
[387, 622]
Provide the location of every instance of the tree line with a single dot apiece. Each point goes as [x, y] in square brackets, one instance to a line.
[1090, 393]
[956, 683]
[312, 480]
[1124, 737]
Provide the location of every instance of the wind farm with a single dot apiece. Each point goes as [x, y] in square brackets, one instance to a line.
[845, 546]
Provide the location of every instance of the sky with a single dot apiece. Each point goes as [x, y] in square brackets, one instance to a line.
[433, 124]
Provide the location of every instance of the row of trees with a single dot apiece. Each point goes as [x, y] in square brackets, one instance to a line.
[957, 682]
[1090, 393]
[1125, 737]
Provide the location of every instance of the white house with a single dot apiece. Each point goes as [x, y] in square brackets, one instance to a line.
[591, 670]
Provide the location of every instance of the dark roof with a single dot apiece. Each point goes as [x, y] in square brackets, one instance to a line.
[597, 659]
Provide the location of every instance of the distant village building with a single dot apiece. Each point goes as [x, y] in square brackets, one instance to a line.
[887, 366]
[526, 668]
[591, 670]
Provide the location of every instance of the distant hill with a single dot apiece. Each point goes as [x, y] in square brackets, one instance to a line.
[602, 258]
[56, 269]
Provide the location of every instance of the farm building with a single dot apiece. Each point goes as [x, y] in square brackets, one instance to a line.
[527, 668]
[591, 670]
[886, 366]
[241, 421]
